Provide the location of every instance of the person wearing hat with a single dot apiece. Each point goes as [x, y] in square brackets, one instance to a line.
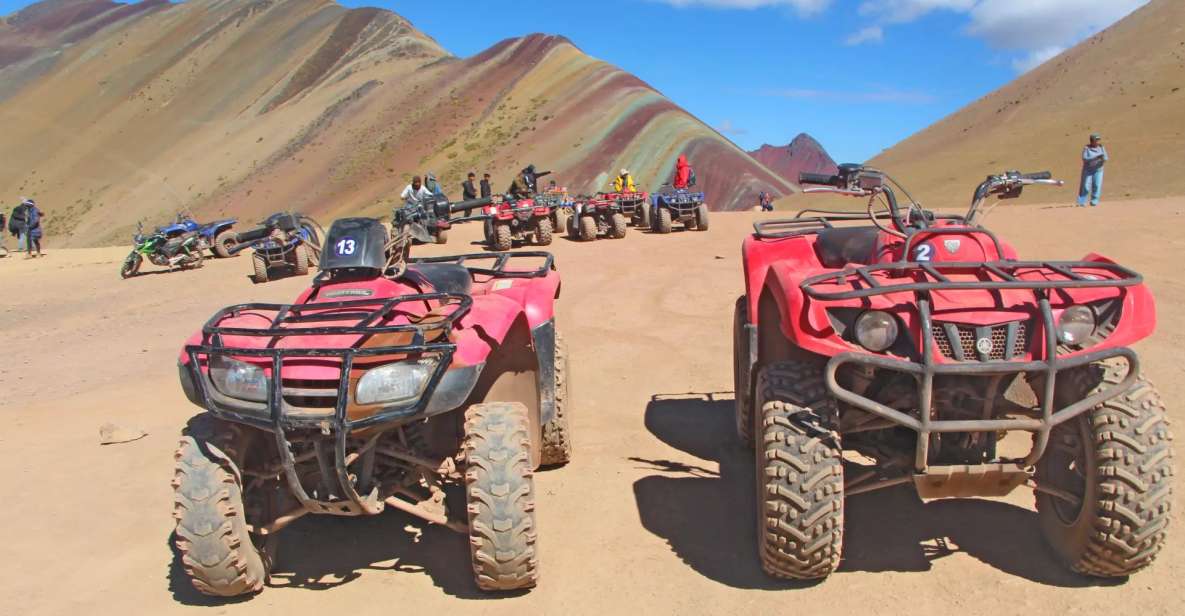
[624, 183]
[1094, 156]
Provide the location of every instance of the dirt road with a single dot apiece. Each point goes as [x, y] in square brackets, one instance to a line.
[655, 515]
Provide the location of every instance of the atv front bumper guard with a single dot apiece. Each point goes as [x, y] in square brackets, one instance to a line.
[921, 279]
[682, 204]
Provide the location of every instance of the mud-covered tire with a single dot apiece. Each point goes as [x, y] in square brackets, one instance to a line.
[662, 221]
[502, 239]
[573, 227]
[701, 217]
[741, 379]
[588, 228]
[223, 242]
[543, 232]
[618, 225]
[1124, 446]
[557, 433]
[300, 260]
[644, 217]
[198, 260]
[211, 535]
[800, 498]
[487, 231]
[441, 236]
[131, 265]
[259, 268]
[500, 496]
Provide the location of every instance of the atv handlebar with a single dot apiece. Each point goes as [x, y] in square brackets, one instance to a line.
[469, 205]
[1040, 175]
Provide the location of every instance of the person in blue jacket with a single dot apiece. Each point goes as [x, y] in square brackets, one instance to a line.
[32, 228]
[1094, 157]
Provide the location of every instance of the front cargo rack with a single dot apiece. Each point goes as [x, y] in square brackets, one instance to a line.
[501, 261]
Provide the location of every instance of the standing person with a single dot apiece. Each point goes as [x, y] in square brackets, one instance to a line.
[485, 185]
[16, 224]
[32, 228]
[468, 190]
[684, 174]
[1094, 156]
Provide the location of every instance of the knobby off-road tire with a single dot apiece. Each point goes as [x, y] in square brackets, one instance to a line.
[543, 232]
[741, 379]
[588, 228]
[500, 496]
[560, 224]
[211, 536]
[487, 231]
[442, 236]
[259, 265]
[131, 265]
[223, 242]
[1122, 450]
[662, 221]
[198, 260]
[618, 226]
[557, 435]
[573, 227]
[799, 473]
[701, 217]
[644, 218]
[502, 239]
[300, 256]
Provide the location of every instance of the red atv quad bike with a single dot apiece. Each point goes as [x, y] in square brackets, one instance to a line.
[634, 205]
[388, 383]
[917, 349]
[596, 216]
[513, 220]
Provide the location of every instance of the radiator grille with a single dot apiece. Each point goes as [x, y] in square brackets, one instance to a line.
[962, 342]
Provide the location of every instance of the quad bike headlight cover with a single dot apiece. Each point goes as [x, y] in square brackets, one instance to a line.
[876, 330]
[238, 379]
[398, 382]
[1076, 324]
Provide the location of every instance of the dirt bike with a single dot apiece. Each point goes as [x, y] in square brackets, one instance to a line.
[183, 251]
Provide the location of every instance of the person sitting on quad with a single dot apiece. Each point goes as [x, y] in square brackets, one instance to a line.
[524, 183]
[624, 183]
[415, 193]
[684, 174]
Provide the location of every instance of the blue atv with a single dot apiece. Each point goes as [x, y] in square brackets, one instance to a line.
[285, 240]
[218, 237]
[671, 205]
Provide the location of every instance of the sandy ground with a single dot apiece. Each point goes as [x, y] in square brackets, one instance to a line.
[655, 513]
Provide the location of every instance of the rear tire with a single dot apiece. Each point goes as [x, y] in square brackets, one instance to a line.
[618, 226]
[701, 217]
[1118, 455]
[442, 236]
[557, 435]
[799, 473]
[588, 228]
[742, 382]
[502, 239]
[223, 242]
[211, 536]
[573, 227]
[259, 265]
[500, 496]
[300, 255]
[662, 221]
[543, 232]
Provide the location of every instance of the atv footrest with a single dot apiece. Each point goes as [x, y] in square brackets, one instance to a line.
[964, 480]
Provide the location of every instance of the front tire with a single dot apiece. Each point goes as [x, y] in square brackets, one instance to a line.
[543, 232]
[701, 217]
[131, 265]
[662, 221]
[742, 382]
[800, 496]
[442, 236]
[300, 254]
[588, 228]
[573, 227]
[259, 267]
[502, 237]
[618, 226]
[211, 536]
[644, 218]
[500, 496]
[557, 434]
[1116, 458]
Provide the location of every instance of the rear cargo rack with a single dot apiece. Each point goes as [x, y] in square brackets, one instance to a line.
[501, 260]
[791, 227]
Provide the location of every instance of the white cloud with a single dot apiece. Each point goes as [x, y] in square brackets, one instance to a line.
[804, 7]
[728, 128]
[1036, 58]
[871, 34]
[901, 11]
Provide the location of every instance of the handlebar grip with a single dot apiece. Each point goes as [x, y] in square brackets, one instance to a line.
[818, 178]
[1040, 175]
[464, 206]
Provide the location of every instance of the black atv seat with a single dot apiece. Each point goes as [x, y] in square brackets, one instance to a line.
[842, 245]
[250, 235]
[442, 277]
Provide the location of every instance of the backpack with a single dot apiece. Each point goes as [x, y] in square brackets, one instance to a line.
[16, 222]
[691, 177]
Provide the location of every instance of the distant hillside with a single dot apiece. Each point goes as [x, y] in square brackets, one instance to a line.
[113, 113]
[804, 153]
[1127, 82]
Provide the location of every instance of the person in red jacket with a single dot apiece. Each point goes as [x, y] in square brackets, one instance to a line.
[684, 175]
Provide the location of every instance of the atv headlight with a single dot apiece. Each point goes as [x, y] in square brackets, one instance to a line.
[238, 379]
[876, 330]
[398, 382]
[1076, 324]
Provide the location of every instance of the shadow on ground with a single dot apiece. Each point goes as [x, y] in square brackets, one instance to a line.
[324, 552]
[709, 518]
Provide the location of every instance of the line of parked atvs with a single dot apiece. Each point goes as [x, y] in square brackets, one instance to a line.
[291, 242]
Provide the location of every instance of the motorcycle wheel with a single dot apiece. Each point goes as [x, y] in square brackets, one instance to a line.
[131, 265]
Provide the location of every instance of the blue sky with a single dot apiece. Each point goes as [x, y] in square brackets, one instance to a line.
[858, 75]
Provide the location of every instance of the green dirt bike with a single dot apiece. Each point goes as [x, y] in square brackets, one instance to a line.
[183, 251]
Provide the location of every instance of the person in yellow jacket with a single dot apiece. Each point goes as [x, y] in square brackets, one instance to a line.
[624, 183]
